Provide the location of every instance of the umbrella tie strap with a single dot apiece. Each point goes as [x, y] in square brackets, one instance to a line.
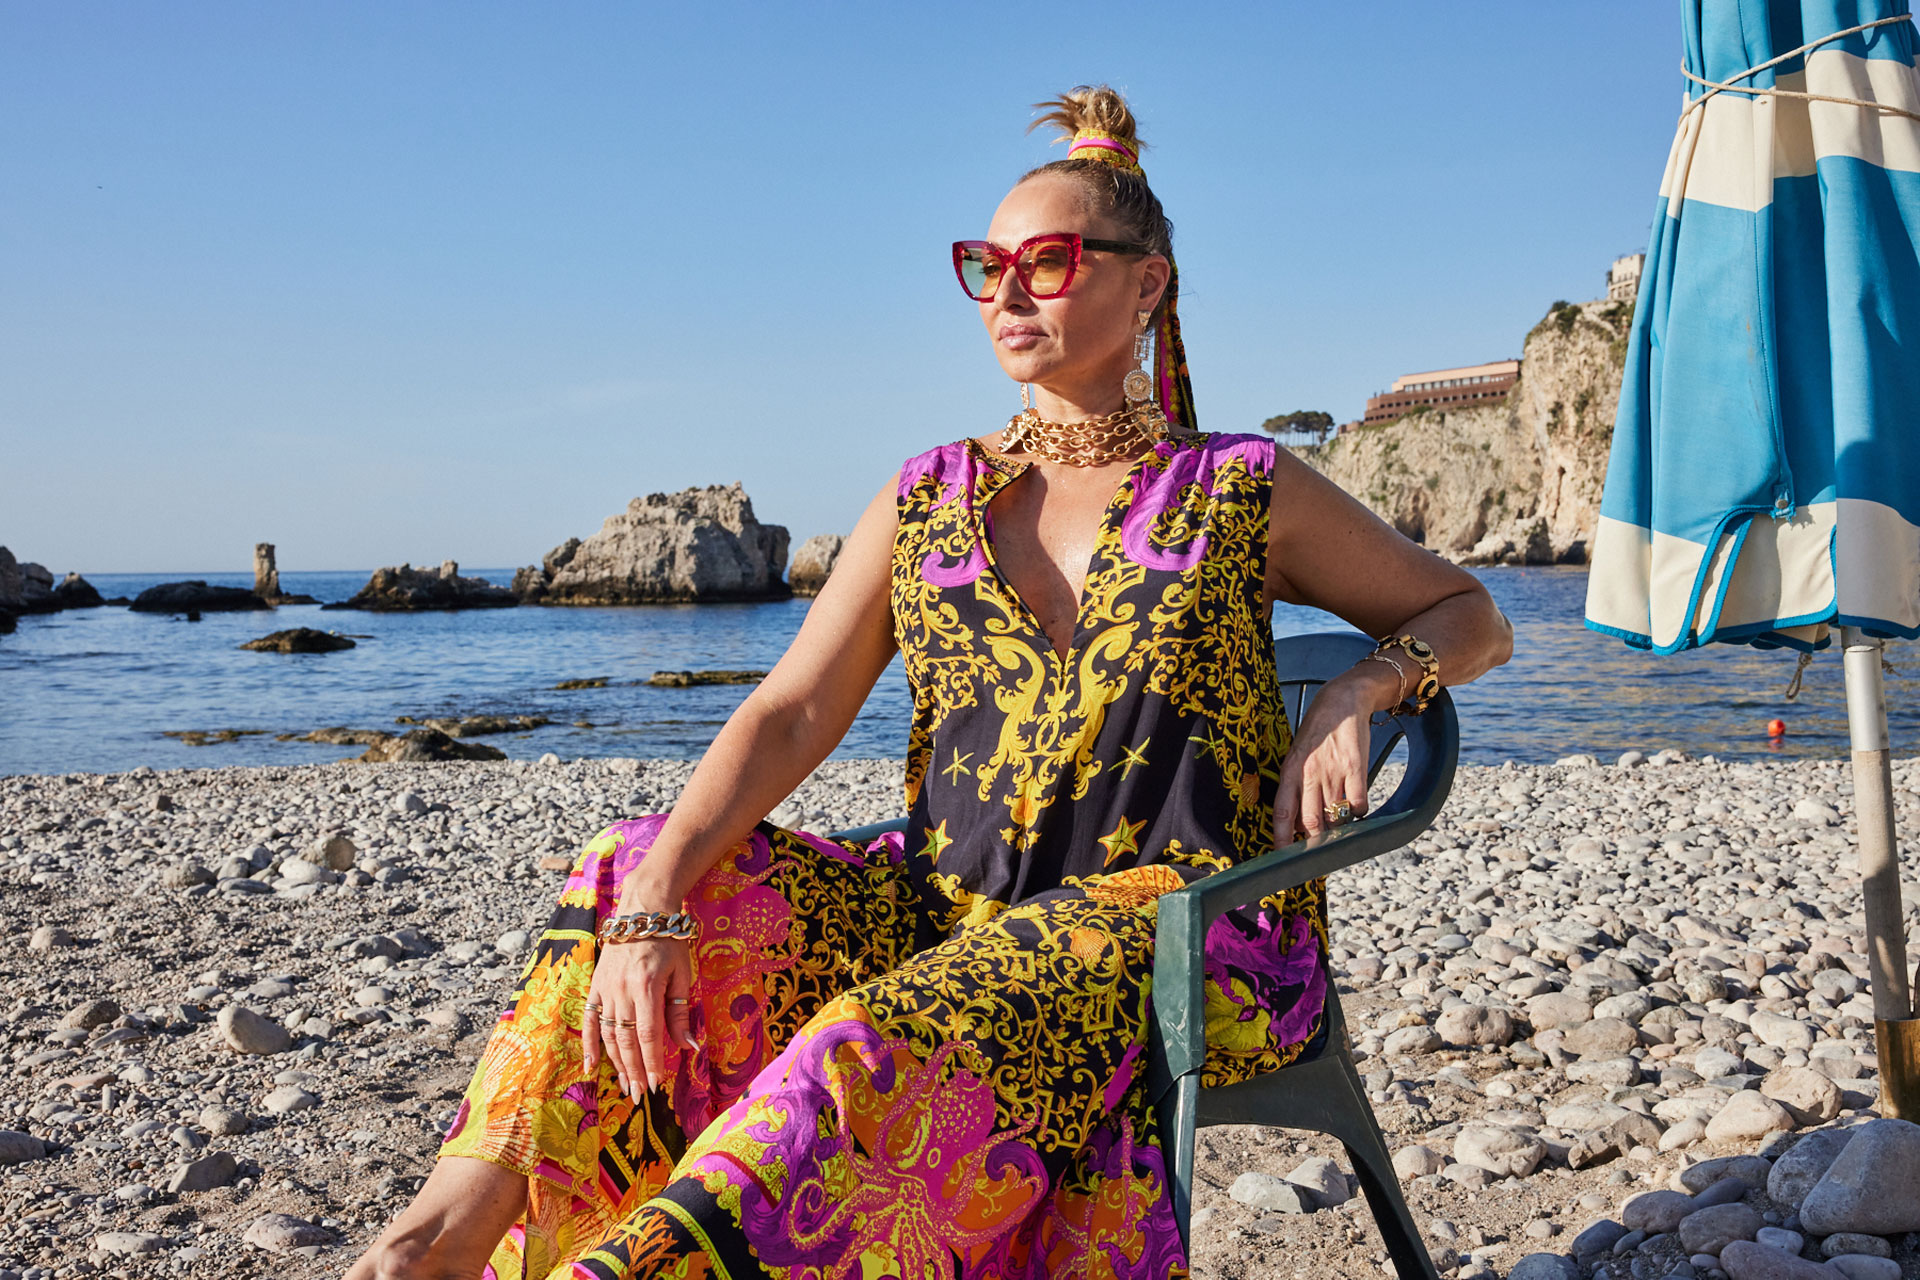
[1716, 86]
[1792, 690]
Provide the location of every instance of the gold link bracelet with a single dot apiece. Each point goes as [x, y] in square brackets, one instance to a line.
[640, 925]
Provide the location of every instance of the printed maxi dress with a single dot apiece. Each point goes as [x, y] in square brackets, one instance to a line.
[923, 1057]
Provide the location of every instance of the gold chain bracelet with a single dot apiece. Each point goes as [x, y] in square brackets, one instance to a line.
[638, 926]
[1427, 687]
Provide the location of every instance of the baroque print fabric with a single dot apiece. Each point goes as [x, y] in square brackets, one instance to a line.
[923, 1057]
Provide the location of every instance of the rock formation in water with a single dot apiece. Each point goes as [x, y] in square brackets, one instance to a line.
[426, 744]
[813, 562]
[299, 640]
[29, 588]
[195, 596]
[75, 592]
[266, 578]
[404, 589]
[266, 572]
[12, 597]
[1517, 482]
[701, 544]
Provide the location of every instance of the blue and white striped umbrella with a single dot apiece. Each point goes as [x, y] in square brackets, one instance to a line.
[1765, 475]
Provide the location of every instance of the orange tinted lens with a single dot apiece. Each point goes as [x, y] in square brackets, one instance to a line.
[980, 273]
[1047, 267]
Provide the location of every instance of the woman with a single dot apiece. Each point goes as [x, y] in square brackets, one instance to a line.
[921, 1057]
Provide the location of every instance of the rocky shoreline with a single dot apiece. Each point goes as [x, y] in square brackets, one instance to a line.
[1612, 1018]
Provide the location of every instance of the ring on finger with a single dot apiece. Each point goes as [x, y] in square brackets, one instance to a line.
[676, 1000]
[1341, 812]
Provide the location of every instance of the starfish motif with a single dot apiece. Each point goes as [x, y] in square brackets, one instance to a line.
[1122, 840]
[937, 841]
[958, 767]
[1131, 756]
[1211, 742]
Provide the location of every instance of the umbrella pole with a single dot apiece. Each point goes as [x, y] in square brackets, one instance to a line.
[1896, 1029]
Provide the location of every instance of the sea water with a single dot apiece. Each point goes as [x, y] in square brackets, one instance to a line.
[96, 690]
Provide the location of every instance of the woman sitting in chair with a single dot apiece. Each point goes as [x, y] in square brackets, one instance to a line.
[743, 1051]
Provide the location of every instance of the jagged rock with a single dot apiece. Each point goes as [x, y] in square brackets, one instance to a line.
[813, 561]
[195, 596]
[404, 589]
[12, 597]
[299, 640]
[36, 588]
[75, 592]
[426, 744]
[687, 679]
[476, 726]
[587, 682]
[698, 544]
[1523, 541]
[266, 578]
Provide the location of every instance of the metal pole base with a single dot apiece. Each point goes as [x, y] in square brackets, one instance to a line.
[1897, 1044]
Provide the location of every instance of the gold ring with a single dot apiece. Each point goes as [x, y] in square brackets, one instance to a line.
[676, 1000]
[618, 1022]
[1342, 812]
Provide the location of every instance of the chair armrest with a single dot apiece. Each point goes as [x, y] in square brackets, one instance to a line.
[1179, 964]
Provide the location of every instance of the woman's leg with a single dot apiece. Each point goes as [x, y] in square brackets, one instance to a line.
[979, 1110]
[786, 922]
[450, 1229]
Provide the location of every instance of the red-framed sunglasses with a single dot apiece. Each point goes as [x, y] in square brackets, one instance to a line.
[1045, 264]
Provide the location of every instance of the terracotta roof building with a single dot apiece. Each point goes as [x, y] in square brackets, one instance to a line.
[1469, 386]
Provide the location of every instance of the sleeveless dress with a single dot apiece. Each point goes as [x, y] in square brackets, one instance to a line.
[923, 1056]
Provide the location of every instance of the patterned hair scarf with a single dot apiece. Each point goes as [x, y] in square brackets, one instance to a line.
[1169, 352]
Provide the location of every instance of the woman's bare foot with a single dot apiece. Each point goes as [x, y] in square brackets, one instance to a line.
[452, 1226]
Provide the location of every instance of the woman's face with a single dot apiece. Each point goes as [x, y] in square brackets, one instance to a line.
[1083, 338]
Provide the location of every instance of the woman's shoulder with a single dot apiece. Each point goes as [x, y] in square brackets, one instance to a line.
[945, 465]
[1208, 452]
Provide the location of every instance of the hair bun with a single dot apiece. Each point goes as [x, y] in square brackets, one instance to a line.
[1096, 122]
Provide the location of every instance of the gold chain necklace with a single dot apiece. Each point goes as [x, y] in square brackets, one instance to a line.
[1124, 433]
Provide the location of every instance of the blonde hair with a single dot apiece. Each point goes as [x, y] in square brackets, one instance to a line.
[1094, 108]
[1120, 193]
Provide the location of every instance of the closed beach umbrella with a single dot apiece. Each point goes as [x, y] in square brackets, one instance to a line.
[1764, 482]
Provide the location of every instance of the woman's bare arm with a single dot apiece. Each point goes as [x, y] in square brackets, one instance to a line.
[790, 723]
[1326, 550]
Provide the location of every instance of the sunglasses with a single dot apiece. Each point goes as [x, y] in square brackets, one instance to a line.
[1045, 264]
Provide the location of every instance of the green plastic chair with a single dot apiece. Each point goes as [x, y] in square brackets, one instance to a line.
[1323, 1092]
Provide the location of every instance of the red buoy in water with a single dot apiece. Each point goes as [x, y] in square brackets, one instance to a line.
[1776, 728]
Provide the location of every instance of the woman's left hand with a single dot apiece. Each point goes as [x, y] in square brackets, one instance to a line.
[1328, 760]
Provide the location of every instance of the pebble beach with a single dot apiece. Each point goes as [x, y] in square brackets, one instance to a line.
[1612, 1016]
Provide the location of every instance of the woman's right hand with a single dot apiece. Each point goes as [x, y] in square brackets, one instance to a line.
[637, 984]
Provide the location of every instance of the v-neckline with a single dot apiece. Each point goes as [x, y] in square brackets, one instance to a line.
[1011, 471]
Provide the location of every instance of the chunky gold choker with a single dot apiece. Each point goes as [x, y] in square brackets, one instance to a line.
[1124, 433]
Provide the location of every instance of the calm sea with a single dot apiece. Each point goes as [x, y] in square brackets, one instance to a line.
[95, 690]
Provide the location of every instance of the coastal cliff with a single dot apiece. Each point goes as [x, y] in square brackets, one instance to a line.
[1516, 482]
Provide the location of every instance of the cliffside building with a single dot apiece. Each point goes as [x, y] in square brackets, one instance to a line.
[1623, 277]
[1470, 386]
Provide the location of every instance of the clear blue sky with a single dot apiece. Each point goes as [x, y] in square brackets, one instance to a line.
[405, 281]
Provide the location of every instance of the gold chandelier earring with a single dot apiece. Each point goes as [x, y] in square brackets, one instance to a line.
[1138, 384]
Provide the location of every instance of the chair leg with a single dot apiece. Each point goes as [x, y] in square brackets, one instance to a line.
[1326, 1096]
[1373, 1166]
[1176, 1115]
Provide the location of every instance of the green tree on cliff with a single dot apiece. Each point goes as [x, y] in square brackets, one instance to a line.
[1301, 422]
